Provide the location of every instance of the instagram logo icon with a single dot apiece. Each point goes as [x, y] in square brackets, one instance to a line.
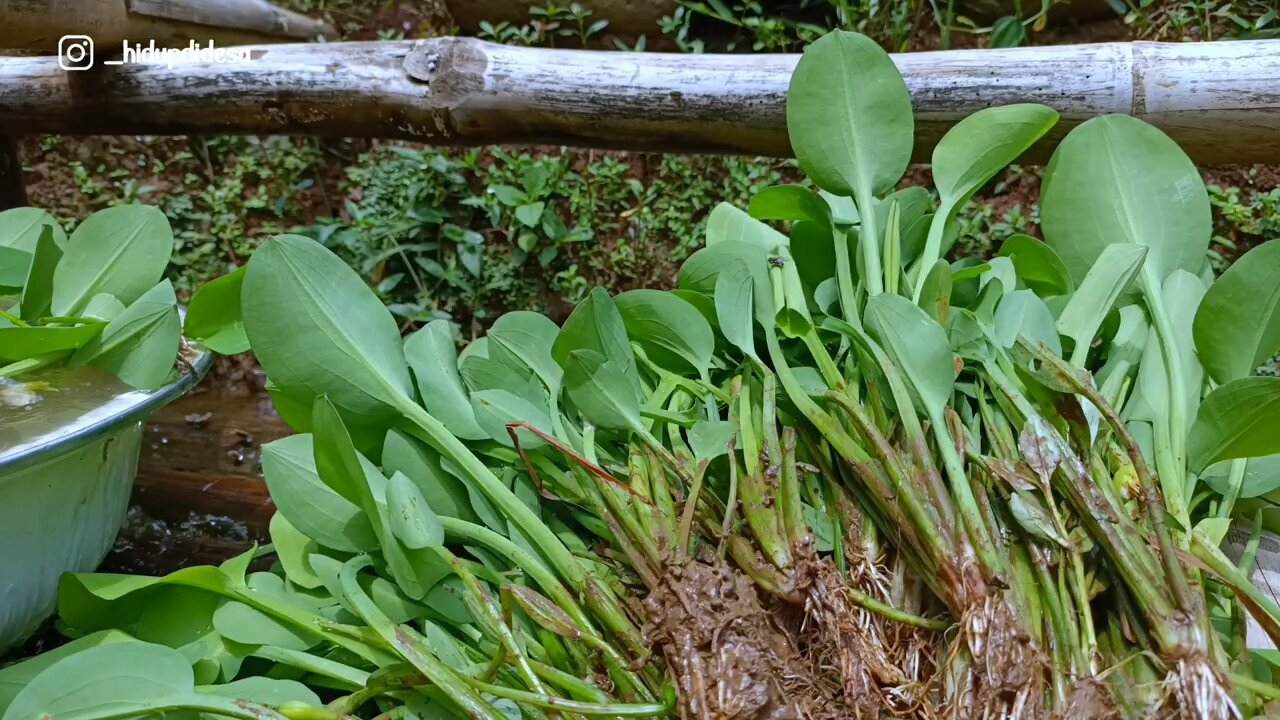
[75, 52]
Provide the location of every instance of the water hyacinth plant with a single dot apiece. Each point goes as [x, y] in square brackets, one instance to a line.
[831, 475]
[96, 298]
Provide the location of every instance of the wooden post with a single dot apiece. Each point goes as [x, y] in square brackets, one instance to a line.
[1219, 101]
[13, 192]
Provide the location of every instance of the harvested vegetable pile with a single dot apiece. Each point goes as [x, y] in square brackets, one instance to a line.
[830, 476]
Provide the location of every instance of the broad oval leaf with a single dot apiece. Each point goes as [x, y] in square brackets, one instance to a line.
[266, 691]
[1231, 341]
[917, 345]
[20, 228]
[20, 343]
[289, 469]
[214, 316]
[600, 391]
[37, 291]
[444, 493]
[1037, 265]
[119, 673]
[1237, 420]
[412, 519]
[528, 337]
[849, 115]
[672, 332]
[735, 306]
[981, 145]
[497, 408]
[241, 623]
[1102, 287]
[1116, 179]
[121, 250]
[1022, 312]
[139, 346]
[1261, 476]
[595, 324]
[293, 550]
[433, 357]
[317, 329]
[789, 202]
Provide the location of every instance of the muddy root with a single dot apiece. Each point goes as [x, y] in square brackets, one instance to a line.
[729, 658]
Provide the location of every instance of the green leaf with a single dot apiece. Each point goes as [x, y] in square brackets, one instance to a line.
[37, 291]
[789, 202]
[1034, 519]
[595, 324]
[315, 510]
[443, 492]
[600, 391]
[1237, 420]
[121, 250]
[935, 294]
[1104, 284]
[1022, 312]
[240, 623]
[20, 343]
[337, 462]
[433, 357]
[412, 520]
[496, 408]
[971, 153]
[1181, 294]
[507, 195]
[214, 315]
[1037, 265]
[530, 214]
[266, 691]
[293, 548]
[15, 265]
[542, 611]
[672, 332]
[140, 346]
[117, 673]
[20, 229]
[14, 678]
[917, 345]
[849, 115]
[1115, 179]
[1261, 476]
[317, 329]
[735, 306]
[1008, 32]
[709, 439]
[529, 337]
[1237, 327]
[103, 307]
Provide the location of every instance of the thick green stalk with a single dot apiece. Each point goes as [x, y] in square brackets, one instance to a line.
[931, 252]
[426, 427]
[844, 276]
[1171, 460]
[548, 702]
[412, 647]
[1235, 479]
[840, 440]
[869, 239]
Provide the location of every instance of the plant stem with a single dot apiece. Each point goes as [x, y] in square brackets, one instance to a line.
[1172, 463]
[869, 239]
[426, 427]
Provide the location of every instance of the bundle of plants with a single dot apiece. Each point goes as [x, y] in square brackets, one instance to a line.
[96, 298]
[830, 475]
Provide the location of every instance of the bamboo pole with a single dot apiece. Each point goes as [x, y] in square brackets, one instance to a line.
[1220, 101]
